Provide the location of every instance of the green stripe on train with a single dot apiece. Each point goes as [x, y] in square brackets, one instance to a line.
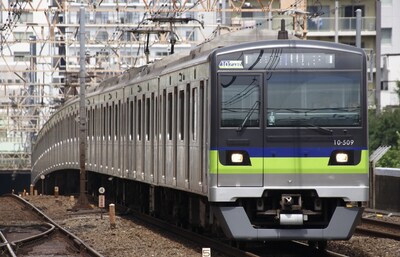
[288, 165]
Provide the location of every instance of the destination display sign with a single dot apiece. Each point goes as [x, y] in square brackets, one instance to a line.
[277, 60]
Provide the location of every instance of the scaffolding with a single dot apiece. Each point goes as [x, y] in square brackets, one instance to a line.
[39, 44]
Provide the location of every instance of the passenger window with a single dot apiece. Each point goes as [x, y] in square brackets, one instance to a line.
[139, 120]
[169, 113]
[181, 114]
[194, 112]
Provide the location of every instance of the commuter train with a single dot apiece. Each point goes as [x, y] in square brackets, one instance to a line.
[266, 139]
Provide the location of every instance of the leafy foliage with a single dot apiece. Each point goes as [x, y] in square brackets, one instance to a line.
[384, 130]
[397, 90]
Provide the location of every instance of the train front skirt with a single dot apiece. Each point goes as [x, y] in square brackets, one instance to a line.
[236, 224]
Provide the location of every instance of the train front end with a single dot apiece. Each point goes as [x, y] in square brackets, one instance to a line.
[288, 151]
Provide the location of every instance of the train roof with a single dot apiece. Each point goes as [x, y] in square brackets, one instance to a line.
[223, 43]
[291, 43]
[200, 52]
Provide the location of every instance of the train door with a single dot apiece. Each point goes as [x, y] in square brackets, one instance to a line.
[240, 132]
[148, 156]
[182, 137]
[139, 138]
[162, 137]
[170, 142]
[130, 156]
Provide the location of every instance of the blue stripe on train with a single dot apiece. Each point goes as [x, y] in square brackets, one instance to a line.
[289, 152]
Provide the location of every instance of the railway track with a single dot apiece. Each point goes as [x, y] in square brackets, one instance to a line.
[224, 248]
[26, 231]
[379, 228]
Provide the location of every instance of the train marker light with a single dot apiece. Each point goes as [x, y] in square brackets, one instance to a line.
[342, 157]
[237, 158]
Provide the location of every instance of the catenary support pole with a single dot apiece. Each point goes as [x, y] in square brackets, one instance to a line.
[82, 200]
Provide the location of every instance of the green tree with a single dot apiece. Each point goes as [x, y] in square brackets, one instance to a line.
[398, 88]
[392, 157]
[383, 128]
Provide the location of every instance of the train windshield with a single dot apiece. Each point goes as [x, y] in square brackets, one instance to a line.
[303, 98]
[240, 101]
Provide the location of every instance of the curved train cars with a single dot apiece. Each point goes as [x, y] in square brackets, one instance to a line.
[268, 138]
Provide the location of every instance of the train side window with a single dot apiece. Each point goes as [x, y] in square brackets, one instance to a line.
[169, 113]
[154, 114]
[164, 115]
[187, 108]
[104, 120]
[131, 119]
[194, 112]
[147, 119]
[175, 112]
[90, 126]
[139, 119]
[181, 132]
[93, 119]
[110, 121]
[121, 121]
[89, 115]
[116, 119]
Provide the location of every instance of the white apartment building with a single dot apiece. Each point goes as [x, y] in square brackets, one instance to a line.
[390, 49]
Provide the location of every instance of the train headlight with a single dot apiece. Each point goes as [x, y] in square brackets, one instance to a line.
[342, 157]
[237, 158]
[234, 157]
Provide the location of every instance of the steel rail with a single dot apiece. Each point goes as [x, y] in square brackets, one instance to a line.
[7, 245]
[324, 252]
[34, 237]
[200, 240]
[384, 225]
[76, 240]
[223, 247]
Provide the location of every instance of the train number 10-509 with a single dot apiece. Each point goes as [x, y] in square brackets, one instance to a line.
[343, 142]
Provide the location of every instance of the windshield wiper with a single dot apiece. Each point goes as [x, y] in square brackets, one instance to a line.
[248, 115]
[318, 128]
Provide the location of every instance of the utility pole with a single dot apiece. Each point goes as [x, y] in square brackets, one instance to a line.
[378, 58]
[358, 27]
[82, 200]
[336, 21]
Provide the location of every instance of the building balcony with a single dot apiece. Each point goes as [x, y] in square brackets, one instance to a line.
[325, 26]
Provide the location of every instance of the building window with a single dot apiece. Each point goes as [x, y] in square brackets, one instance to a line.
[102, 36]
[386, 2]
[384, 85]
[350, 11]
[319, 18]
[386, 36]
[21, 56]
[25, 17]
[189, 35]
[21, 36]
[101, 17]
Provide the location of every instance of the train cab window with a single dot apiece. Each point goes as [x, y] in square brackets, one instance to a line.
[240, 100]
[313, 99]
